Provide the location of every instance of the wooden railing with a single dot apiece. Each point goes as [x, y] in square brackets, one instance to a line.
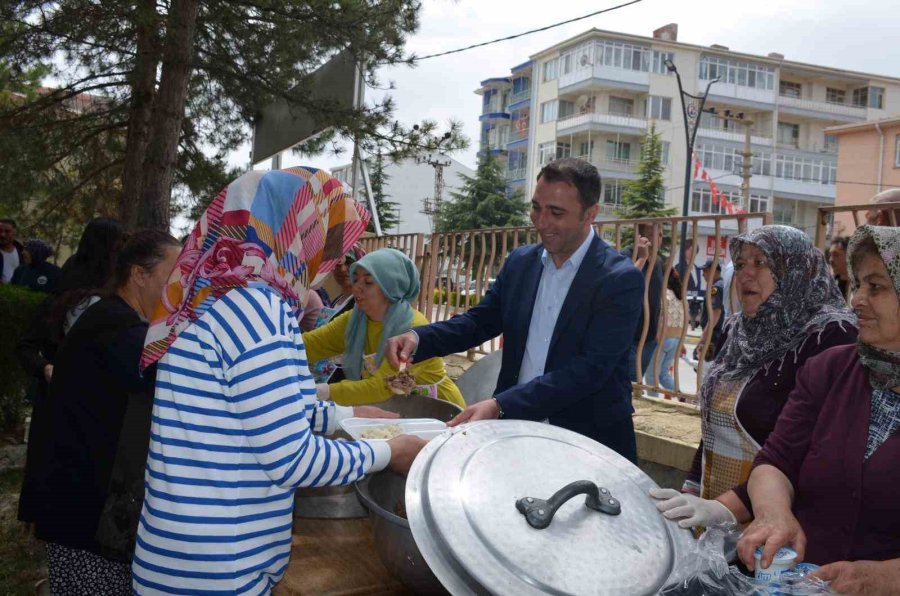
[841, 220]
[457, 269]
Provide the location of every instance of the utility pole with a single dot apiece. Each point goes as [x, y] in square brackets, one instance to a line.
[746, 154]
[432, 206]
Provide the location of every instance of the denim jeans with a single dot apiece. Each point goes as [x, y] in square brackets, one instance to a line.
[646, 356]
[666, 359]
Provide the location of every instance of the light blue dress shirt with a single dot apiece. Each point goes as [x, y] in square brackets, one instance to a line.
[552, 291]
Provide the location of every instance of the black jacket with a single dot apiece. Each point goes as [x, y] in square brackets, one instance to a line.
[95, 373]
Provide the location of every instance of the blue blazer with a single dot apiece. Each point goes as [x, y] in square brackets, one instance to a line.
[585, 386]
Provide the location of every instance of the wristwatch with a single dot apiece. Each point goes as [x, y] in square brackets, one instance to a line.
[499, 408]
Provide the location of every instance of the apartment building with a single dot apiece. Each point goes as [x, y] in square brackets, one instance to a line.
[868, 163]
[593, 96]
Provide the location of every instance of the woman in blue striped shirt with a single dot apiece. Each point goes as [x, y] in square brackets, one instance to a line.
[235, 406]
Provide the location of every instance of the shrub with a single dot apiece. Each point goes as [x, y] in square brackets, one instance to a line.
[17, 309]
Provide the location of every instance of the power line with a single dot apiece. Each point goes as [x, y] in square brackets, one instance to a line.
[493, 41]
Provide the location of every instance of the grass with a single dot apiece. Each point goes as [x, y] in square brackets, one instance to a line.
[22, 558]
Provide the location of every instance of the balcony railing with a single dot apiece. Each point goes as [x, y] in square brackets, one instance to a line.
[608, 73]
[823, 106]
[628, 166]
[713, 132]
[517, 97]
[601, 118]
[516, 174]
[517, 133]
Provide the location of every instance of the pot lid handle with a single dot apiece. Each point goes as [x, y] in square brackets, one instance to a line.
[539, 512]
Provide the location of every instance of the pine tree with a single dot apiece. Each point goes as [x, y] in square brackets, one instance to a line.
[181, 77]
[387, 209]
[482, 202]
[645, 197]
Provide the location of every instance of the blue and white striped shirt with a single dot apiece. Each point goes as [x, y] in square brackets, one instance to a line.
[231, 438]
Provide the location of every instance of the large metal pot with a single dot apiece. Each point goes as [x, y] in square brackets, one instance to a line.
[383, 494]
[341, 502]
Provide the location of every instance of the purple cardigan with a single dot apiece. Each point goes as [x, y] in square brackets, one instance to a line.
[847, 506]
[766, 393]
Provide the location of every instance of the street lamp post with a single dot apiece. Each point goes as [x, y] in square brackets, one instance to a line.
[691, 109]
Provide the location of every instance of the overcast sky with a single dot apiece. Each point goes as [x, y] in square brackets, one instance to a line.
[859, 35]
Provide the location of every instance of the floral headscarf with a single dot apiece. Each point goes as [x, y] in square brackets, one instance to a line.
[282, 229]
[806, 298]
[883, 366]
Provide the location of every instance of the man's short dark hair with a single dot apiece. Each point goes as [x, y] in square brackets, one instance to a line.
[11, 222]
[841, 241]
[577, 172]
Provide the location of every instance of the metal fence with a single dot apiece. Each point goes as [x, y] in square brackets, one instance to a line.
[457, 268]
[841, 220]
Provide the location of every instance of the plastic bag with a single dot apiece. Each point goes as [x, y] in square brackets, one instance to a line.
[707, 572]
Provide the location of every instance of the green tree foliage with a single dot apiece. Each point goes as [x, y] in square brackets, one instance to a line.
[645, 197]
[482, 202]
[173, 87]
[387, 209]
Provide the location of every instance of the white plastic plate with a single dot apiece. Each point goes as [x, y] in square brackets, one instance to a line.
[424, 428]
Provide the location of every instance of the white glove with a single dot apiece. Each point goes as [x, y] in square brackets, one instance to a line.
[323, 391]
[696, 511]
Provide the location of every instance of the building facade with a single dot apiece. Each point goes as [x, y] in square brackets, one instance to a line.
[868, 162]
[593, 96]
[409, 184]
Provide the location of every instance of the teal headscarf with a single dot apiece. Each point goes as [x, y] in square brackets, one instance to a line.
[398, 278]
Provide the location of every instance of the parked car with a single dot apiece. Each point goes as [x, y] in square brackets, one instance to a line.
[472, 288]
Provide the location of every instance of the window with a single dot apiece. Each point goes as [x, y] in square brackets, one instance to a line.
[617, 151]
[784, 213]
[789, 89]
[802, 169]
[585, 149]
[566, 108]
[521, 85]
[551, 69]
[869, 97]
[659, 108]
[664, 152]
[831, 143]
[789, 134]
[621, 106]
[729, 159]
[833, 95]
[612, 192]
[620, 55]
[566, 62]
[897, 152]
[547, 152]
[745, 74]
[659, 62]
[701, 201]
[549, 111]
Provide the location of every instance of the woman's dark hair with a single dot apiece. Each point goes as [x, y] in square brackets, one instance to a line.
[863, 248]
[86, 271]
[144, 248]
[674, 282]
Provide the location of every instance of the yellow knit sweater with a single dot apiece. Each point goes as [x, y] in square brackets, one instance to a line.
[328, 341]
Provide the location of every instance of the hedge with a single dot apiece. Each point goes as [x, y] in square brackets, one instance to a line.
[440, 297]
[18, 307]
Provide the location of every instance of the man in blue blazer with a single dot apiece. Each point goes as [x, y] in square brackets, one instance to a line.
[567, 308]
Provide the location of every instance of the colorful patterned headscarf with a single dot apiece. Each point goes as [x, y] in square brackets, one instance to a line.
[282, 229]
[883, 366]
[806, 298]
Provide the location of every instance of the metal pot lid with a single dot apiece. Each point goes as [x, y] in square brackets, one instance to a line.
[467, 499]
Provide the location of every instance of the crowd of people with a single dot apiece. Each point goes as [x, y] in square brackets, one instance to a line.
[185, 389]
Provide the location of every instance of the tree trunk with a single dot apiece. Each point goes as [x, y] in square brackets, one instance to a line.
[168, 115]
[143, 87]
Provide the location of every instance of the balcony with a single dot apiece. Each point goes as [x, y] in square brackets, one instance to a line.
[516, 174]
[738, 94]
[517, 131]
[600, 121]
[601, 75]
[711, 132]
[619, 166]
[516, 98]
[821, 109]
